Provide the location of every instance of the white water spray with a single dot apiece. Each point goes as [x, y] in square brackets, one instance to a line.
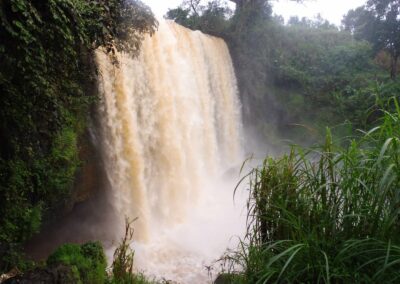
[171, 127]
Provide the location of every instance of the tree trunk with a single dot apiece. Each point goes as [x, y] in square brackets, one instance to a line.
[393, 67]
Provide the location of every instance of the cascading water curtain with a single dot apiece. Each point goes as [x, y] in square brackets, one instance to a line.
[172, 127]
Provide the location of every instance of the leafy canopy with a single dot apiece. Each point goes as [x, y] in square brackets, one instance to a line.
[378, 22]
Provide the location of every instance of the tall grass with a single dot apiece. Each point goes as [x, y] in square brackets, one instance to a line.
[329, 214]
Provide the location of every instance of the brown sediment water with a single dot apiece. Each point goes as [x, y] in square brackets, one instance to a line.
[171, 127]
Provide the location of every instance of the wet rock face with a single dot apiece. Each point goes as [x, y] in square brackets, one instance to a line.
[60, 274]
[88, 180]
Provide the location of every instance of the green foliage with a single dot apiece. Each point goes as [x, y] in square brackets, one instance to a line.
[317, 23]
[289, 75]
[46, 90]
[323, 65]
[307, 72]
[87, 261]
[329, 214]
[378, 22]
[210, 18]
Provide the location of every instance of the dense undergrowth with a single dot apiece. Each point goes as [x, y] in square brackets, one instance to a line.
[89, 264]
[327, 214]
[85, 263]
[47, 84]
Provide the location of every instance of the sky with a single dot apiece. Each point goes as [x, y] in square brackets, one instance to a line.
[332, 10]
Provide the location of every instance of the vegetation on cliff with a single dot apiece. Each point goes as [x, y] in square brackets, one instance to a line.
[305, 72]
[46, 86]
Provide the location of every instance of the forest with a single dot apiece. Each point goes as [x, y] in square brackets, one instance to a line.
[321, 104]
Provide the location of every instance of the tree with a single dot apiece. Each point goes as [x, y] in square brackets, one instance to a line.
[379, 23]
[317, 23]
[210, 18]
[242, 3]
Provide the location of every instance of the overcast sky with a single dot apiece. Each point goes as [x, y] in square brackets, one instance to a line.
[332, 10]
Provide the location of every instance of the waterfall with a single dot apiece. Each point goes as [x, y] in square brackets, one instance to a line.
[171, 131]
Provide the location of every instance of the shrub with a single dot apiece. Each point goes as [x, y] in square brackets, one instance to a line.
[87, 261]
